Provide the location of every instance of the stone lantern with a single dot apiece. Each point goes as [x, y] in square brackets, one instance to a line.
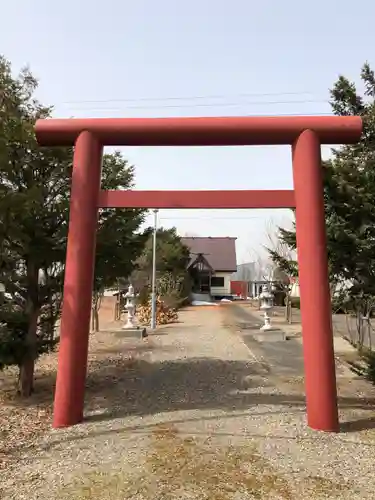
[130, 307]
[131, 328]
[266, 305]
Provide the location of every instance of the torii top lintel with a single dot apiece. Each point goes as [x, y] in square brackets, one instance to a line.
[213, 131]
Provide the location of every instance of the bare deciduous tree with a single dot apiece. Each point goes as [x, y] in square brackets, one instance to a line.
[284, 260]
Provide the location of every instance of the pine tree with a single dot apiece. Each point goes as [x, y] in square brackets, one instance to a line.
[34, 210]
[349, 197]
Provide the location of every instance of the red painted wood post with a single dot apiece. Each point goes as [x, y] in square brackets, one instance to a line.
[79, 272]
[320, 376]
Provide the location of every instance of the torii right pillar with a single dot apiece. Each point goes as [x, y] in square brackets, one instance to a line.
[316, 314]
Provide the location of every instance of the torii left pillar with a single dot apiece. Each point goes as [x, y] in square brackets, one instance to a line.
[79, 274]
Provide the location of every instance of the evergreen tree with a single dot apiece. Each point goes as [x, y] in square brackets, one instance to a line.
[34, 209]
[349, 197]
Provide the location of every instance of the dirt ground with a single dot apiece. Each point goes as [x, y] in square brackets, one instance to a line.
[189, 413]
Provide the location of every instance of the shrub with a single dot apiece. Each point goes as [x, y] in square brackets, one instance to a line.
[144, 296]
[173, 299]
[366, 366]
[296, 302]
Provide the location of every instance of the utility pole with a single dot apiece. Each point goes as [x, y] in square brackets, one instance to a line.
[153, 295]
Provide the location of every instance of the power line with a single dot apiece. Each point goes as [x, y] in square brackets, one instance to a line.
[209, 218]
[204, 105]
[190, 98]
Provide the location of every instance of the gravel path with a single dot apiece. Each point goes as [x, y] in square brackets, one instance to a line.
[191, 414]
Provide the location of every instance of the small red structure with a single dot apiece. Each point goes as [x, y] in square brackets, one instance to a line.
[304, 134]
[240, 288]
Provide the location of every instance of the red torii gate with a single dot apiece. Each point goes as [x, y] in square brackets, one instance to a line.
[304, 134]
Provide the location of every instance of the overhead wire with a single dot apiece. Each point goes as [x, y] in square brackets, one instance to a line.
[192, 102]
[189, 98]
[205, 105]
[210, 218]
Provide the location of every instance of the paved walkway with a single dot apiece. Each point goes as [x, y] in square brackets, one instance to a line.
[191, 414]
[344, 326]
[283, 358]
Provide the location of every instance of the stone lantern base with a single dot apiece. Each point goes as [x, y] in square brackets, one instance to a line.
[272, 335]
[138, 332]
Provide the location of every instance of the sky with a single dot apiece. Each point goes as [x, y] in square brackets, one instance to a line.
[161, 58]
